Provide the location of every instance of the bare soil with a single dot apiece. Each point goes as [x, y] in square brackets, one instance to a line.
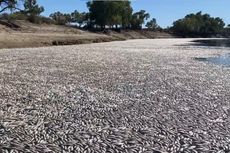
[33, 35]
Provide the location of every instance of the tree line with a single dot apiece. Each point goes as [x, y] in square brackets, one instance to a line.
[101, 14]
[107, 14]
[199, 25]
[117, 15]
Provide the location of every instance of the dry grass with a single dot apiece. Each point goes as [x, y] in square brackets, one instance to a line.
[34, 35]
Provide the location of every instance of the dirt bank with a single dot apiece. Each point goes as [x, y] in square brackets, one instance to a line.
[25, 34]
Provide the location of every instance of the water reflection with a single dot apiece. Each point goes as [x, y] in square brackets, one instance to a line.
[223, 60]
[213, 42]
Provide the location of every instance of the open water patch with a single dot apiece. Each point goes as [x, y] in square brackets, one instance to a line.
[223, 60]
[213, 42]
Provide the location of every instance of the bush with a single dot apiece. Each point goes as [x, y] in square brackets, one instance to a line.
[14, 16]
[18, 16]
[4, 16]
[47, 20]
[40, 20]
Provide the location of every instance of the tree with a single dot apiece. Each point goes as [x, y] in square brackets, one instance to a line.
[79, 18]
[68, 18]
[138, 19]
[152, 24]
[97, 10]
[58, 17]
[227, 30]
[110, 13]
[198, 25]
[8, 4]
[32, 9]
[61, 18]
[114, 16]
[126, 14]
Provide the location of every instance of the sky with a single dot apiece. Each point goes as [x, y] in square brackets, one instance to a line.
[165, 11]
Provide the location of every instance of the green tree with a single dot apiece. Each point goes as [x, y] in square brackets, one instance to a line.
[113, 16]
[138, 19]
[68, 18]
[126, 14]
[61, 18]
[110, 13]
[227, 30]
[58, 17]
[97, 12]
[79, 18]
[32, 9]
[198, 25]
[152, 24]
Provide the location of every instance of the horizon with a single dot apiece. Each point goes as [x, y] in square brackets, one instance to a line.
[160, 10]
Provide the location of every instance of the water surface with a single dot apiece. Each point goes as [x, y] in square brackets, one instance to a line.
[223, 59]
[213, 42]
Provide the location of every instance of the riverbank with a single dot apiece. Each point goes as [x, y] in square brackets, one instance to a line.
[25, 34]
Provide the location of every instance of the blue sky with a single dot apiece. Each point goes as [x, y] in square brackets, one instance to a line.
[165, 11]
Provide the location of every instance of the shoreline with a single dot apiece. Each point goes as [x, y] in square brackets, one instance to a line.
[34, 35]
